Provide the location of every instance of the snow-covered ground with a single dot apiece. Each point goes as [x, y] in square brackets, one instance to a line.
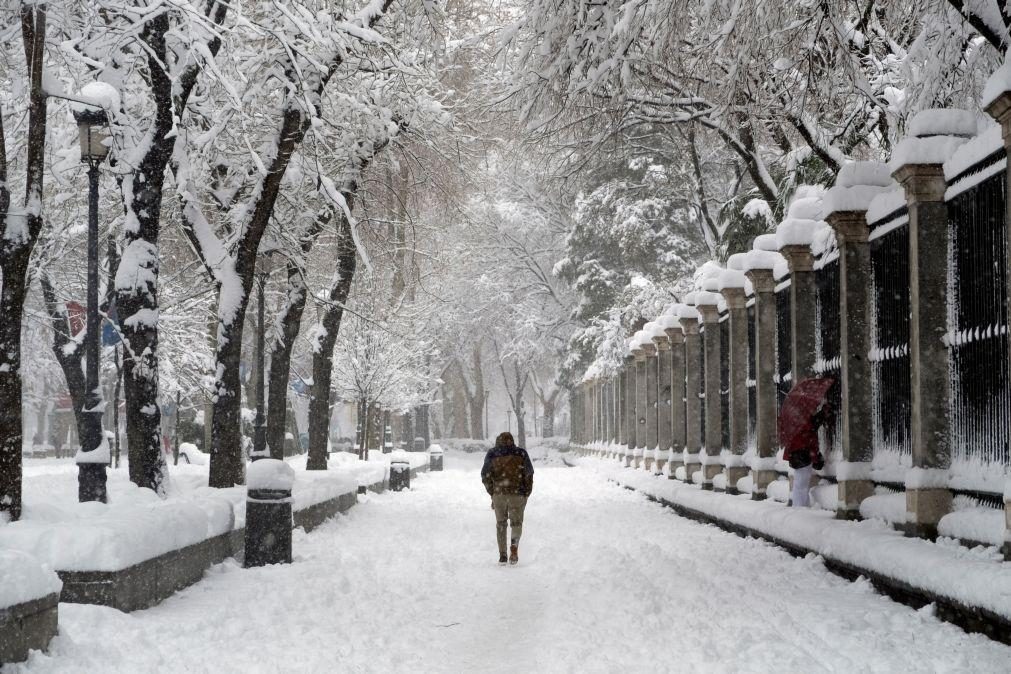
[607, 582]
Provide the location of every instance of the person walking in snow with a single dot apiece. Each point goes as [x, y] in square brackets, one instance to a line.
[805, 458]
[508, 476]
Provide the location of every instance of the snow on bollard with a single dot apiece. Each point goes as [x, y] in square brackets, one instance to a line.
[435, 458]
[400, 471]
[268, 513]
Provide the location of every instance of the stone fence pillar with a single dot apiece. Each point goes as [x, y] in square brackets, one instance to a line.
[927, 497]
[649, 452]
[640, 404]
[677, 395]
[760, 264]
[803, 309]
[732, 289]
[663, 400]
[713, 441]
[693, 391]
[846, 212]
[632, 418]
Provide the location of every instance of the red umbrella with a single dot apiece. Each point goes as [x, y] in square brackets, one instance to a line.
[800, 405]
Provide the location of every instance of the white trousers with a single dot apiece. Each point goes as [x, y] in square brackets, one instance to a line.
[801, 495]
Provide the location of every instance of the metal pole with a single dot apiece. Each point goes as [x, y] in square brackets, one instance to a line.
[260, 424]
[91, 480]
[509, 420]
[487, 431]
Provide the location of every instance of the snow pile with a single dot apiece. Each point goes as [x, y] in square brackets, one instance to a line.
[885, 505]
[688, 313]
[973, 151]
[934, 137]
[732, 278]
[857, 185]
[96, 94]
[705, 298]
[803, 219]
[272, 474]
[996, 85]
[667, 322]
[765, 242]
[781, 270]
[943, 122]
[134, 527]
[885, 203]
[101, 454]
[974, 523]
[944, 570]
[137, 525]
[25, 579]
[788, 614]
[736, 261]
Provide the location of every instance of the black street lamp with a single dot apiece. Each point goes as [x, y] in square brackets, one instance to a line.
[260, 423]
[93, 458]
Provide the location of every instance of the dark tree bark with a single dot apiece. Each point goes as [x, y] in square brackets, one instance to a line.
[18, 235]
[137, 293]
[476, 398]
[226, 467]
[322, 358]
[289, 322]
[69, 354]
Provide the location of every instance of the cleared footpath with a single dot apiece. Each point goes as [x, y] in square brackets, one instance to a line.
[607, 582]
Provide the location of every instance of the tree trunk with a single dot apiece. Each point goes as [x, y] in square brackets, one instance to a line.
[137, 279]
[322, 357]
[477, 429]
[549, 418]
[70, 360]
[17, 239]
[280, 362]
[459, 401]
[289, 323]
[11, 307]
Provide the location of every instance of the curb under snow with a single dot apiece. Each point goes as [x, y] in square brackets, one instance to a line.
[967, 589]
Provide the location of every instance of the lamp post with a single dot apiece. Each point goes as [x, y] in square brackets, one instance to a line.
[260, 423]
[509, 420]
[91, 460]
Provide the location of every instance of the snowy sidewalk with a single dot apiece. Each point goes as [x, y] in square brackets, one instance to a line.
[607, 582]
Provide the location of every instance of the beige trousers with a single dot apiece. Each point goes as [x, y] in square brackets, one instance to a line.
[508, 508]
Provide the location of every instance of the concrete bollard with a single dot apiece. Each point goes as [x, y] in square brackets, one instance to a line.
[435, 455]
[400, 472]
[268, 513]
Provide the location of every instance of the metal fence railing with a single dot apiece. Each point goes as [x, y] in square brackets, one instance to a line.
[828, 362]
[977, 336]
[889, 353]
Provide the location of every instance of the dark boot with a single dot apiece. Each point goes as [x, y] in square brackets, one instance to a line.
[502, 558]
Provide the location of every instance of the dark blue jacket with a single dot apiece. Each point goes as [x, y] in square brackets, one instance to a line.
[508, 470]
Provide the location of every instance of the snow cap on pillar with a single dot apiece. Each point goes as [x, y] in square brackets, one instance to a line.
[669, 321]
[803, 219]
[997, 85]
[857, 185]
[933, 136]
[733, 276]
[763, 255]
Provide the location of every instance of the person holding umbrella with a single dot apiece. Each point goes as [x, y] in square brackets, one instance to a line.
[804, 411]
